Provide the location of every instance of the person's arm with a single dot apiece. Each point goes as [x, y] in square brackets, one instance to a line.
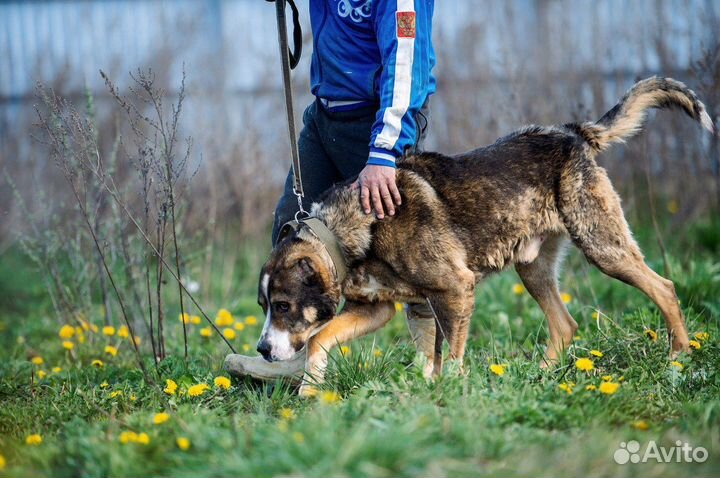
[402, 28]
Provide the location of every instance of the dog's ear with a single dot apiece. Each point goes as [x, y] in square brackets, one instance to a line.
[308, 274]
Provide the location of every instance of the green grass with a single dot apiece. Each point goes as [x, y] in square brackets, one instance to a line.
[390, 421]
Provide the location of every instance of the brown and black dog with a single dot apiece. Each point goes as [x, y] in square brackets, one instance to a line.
[515, 202]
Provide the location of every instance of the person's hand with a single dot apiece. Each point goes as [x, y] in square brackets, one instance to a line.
[377, 186]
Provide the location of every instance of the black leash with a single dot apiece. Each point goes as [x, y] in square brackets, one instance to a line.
[289, 60]
[296, 51]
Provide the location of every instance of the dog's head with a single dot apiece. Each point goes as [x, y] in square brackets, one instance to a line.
[298, 292]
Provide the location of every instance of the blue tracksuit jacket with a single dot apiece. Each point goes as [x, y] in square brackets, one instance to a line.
[376, 51]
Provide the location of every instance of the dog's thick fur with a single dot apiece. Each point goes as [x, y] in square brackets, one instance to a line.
[515, 202]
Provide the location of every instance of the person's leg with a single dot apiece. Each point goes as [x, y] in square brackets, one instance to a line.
[346, 137]
[420, 318]
[422, 120]
[317, 171]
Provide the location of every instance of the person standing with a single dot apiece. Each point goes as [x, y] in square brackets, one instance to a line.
[371, 75]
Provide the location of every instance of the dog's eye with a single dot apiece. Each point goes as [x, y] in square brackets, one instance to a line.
[281, 306]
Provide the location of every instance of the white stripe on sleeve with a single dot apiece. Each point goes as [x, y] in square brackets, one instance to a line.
[392, 118]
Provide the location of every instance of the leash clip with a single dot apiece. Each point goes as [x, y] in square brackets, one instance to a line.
[301, 212]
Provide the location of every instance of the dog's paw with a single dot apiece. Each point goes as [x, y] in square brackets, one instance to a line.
[679, 346]
[455, 368]
[307, 391]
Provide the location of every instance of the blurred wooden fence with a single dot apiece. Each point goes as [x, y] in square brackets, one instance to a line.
[500, 64]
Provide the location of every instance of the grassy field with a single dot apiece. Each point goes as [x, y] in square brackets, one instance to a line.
[377, 415]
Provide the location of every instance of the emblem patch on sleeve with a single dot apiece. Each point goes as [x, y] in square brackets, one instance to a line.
[406, 24]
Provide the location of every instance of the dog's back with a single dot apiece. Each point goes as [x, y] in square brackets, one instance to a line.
[532, 182]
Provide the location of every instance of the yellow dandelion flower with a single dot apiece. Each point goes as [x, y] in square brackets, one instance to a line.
[287, 414]
[137, 340]
[246, 347]
[33, 440]
[104, 385]
[94, 328]
[110, 350]
[702, 336]
[127, 437]
[595, 315]
[68, 345]
[197, 390]
[160, 418]
[80, 335]
[596, 353]
[518, 289]
[222, 382]
[56, 370]
[651, 334]
[497, 369]
[143, 439]
[195, 320]
[66, 332]
[2, 462]
[182, 443]
[41, 374]
[170, 387]
[251, 320]
[97, 363]
[298, 437]
[37, 360]
[239, 326]
[344, 350]
[184, 318]
[329, 396]
[576, 338]
[115, 394]
[566, 387]
[123, 332]
[694, 344]
[640, 425]
[608, 388]
[677, 364]
[133, 397]
[590, 388]
[566, 298]
[108, 330]
[606, 378]
[377, 352]
[398, 307]
[224, 318]
[229, 334]
[205, 332]
[584, 364]
[673, 207]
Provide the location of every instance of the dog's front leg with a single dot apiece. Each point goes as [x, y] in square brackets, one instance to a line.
[356, 319]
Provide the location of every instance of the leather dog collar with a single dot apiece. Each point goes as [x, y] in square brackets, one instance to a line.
[325, 236]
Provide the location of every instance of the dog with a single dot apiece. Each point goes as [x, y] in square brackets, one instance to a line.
[518, 202]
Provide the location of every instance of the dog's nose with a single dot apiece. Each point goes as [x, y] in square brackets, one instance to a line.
[263, 348]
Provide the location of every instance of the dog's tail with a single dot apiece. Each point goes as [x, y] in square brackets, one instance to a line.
[626, 118]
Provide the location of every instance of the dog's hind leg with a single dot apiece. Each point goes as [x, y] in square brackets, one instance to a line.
[540, 280]
[354, 321]
[593, 216]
